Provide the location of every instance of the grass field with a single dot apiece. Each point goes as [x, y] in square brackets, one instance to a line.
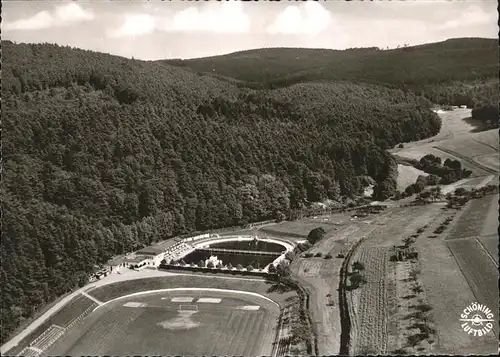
[118, 289]
[491, 222]
[471, 219]
[470, 147]
[159, 328]
[491, 161]
[448, 292]
[490, 243]
[296, 229]
[457, 135]
[479, 271]
[407, 175]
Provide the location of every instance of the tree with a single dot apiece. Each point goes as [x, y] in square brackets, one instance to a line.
[413, 274]
[357, 266]
[239, 267]
[417, 289]
[249, 268]
[408, 241]
[413, 340]
[230, 266]
[356, 280]
[210, 264]
[201, 264]
[315, 235]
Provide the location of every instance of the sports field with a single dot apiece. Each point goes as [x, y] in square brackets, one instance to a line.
[175, 323]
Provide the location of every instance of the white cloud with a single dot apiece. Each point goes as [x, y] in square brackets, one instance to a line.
[134, 25]
[292, 21]
[229, 17]
[471, 16]
[63, 15]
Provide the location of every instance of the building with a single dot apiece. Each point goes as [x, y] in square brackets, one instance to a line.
[154, 255]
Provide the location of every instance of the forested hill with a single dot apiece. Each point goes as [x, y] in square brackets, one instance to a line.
[455, 72]
[103, 155]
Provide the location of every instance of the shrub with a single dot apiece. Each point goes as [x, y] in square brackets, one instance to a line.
[210, 264]
[239, 267]
[318, 255]
[420, 230]
[249, 268]
[315, 235]
[401, 146]
[308, 255]
[328, 256]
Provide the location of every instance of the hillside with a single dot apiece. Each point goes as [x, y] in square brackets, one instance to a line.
[103, 155]
[454, 72]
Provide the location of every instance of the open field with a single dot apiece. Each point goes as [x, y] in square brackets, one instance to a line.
[491, 160]
[477, 151]
[296, 229]
[153, 324]
[407, 175]
[118, 289]
[479, 271]
[490, 243]
[473, 147]
[448, 293]
[470, 221]
[491, 221]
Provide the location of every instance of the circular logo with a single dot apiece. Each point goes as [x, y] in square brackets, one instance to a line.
[477, 319]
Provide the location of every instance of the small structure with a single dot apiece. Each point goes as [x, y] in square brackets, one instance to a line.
[401, 254]
[153, 254]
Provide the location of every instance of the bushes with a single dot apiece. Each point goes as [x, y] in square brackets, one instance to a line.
[315, 235]
[328, 256]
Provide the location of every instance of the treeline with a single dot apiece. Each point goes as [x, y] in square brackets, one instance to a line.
[103, 155]
[439, 172]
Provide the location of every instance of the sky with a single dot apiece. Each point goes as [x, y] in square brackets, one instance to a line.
[157, 29]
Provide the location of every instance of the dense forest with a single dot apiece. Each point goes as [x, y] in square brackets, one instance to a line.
[103, 155]
[458, 71]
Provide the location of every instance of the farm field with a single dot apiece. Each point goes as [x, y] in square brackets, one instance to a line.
[370, 302]
[490, 223]
[490, 243]
[491, 161]
[479, 271]
[477, 151]
[153, 324]
[471, 220]
[472, 147]
[448, 292]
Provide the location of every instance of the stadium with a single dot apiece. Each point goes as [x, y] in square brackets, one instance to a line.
[164, 312]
